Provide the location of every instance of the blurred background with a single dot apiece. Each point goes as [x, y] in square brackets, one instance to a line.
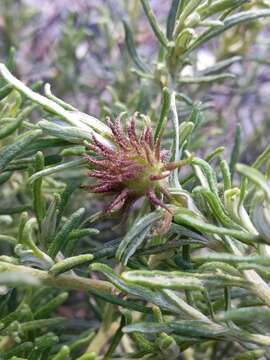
[79, 47]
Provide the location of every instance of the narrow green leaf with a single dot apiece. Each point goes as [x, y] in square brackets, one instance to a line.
[62, 354]
[49, 223]
[177, 280]
[61, 238]
[14, 209]
[5, 177]
[66, 194]
[73, 151]
[10, 239]
[39, 206]
[14, 123]
[176, 141]
[229, 22]
[219, 6]
[11, 61]
[79, 233]
[244, 314]
[189, 7]
[42, 324]
[184, 98]
[133, 245]
[73, 239]
[205, 79]
[136, 235]
[43, 343]
[49, 307]
[181, 230]
[197, 329]
[154, 24]
[81, 342]
[209, 173]
[5, 91]
[216, 206]
[58, 168]
[261, 218]
[262, 158]
[72, 134]
[256, 177]
[44, 143]
[232, 259]
[165, 108]
[217, 266]
[115, 340]
[226, 174]
[236, 150]
[10, 106]
[163, 280]
[70, 263]
[136, 290]
[250, 355]
[9, 152]
[172, 17]
[21, 349]
[220, 66]
[126, 304]
[8, 126]
[130, 43]
[189, 219]
[191, 328]
[22, 313]
[49, 94]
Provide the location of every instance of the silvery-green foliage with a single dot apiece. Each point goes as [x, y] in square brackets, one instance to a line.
[185, 281]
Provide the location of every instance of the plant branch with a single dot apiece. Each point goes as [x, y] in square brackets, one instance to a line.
[71, 282]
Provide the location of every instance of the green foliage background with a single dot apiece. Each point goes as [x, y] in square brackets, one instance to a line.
[76, 283]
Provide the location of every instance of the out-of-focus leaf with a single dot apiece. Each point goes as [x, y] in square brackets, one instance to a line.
[205, 79]
[229, 22]
[250, 355]
[9, 152]
[130, 43]
[244, 314]
[172, 17]
[261, 218]
[220, 65]
[62, 354]
[153, 22]
[256, 177]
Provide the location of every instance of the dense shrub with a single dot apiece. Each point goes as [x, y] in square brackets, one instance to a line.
[133, 232]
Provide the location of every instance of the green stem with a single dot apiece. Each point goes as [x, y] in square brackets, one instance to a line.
[72, 282]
